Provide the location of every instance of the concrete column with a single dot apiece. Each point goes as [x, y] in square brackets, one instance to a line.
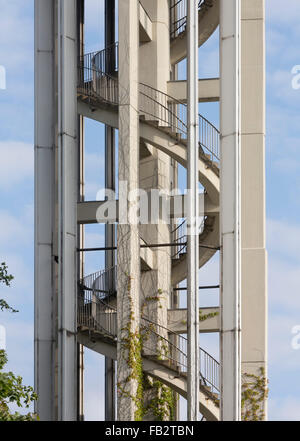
[128, 255]
[110, 169]
[67, 204]
[254, 259]
[80, 228]
[155, 170]
[230, 210]
[44, 336]
[192, 213]
[155, 173]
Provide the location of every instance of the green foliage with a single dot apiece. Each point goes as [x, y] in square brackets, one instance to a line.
[203, 317]
[254, 393]
[6, 279]
[162, 405]
[132, 345]
[12, 391]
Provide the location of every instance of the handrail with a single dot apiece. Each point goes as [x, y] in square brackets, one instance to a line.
[178, 16]
[154, 105]
[161, 107]
[179, 236]
[97, 314]
[106, 60]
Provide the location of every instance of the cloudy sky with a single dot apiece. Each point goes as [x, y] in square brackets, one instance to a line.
[283, 189]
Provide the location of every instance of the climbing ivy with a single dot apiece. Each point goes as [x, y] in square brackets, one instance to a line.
[203, 317]
[132, 343]
[254, 393]
[162, 405]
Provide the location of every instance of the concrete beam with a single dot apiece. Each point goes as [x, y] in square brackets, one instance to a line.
[87, 211]
[208, 90]
[145, 25]
[177, 320]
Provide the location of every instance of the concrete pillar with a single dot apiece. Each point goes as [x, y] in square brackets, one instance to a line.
[80, 228]
[254, 259]
[44, 335]
[155, 173]
[155, 170]
[128, 254]
[67, 208]
[230, 335]
[110, 169]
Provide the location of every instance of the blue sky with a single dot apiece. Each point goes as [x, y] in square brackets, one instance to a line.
[282, 181]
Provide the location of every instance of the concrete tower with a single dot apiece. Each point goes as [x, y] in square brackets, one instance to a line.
[129, 310]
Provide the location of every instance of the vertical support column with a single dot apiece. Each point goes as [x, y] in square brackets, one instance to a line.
[230, 210]
[44, 337]
[67, 213]
[128, 254]
[80, 228]
[254, 258]
[193, 213]
[110, 228]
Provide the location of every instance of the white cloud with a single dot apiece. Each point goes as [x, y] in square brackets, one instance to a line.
[16, 163]
[16, 30]
[284, 408]
[13, 230]
[283, 358]
[284, 14]
[284, 238]
[279, 83]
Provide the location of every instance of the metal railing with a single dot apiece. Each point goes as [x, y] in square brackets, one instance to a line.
[101, 285]
[209, 139]
[106, 60]
[154, 105]
[178, 16]
[98, 86]
[179, 236]
[160, 107]
[96, 314]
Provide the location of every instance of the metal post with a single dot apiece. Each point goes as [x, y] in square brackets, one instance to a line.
[80, 228]
[44, 264]
[67, 209]
[230, 110]
[192, 218]
[110, 169]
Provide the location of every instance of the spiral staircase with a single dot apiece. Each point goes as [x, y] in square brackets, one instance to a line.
[162, 125]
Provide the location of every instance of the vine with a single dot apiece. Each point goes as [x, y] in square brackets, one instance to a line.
[163, 403]
[132, 343]
[254, 393]
[203, 317]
